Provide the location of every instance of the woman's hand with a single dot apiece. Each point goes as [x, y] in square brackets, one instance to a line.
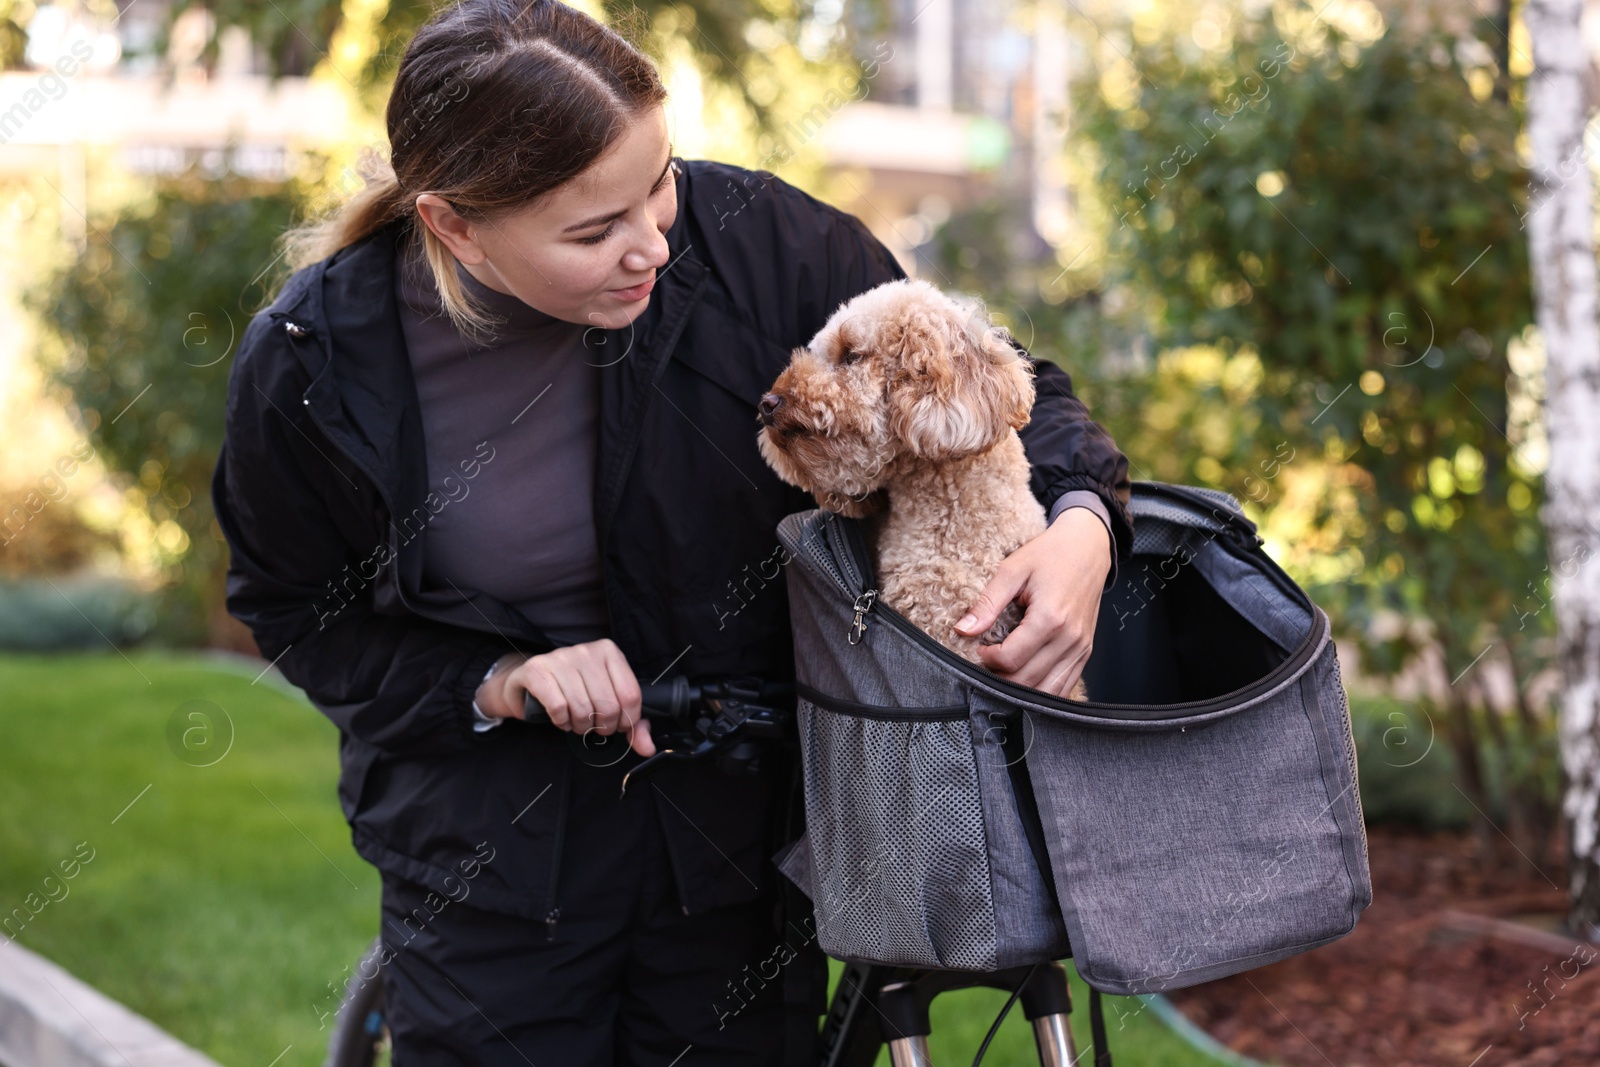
[582, 687]
[1057, 577]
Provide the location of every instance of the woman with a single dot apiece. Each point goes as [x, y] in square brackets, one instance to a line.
[498, 438]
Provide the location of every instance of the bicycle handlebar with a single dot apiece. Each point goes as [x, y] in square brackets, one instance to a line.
[679, 699]
[728, 719]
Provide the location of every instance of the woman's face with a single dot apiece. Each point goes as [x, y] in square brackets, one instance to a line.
[588, 251]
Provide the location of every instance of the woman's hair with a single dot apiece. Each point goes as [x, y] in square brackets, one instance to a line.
[496, 103]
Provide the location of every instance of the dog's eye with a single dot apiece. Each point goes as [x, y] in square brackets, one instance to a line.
[848, 356]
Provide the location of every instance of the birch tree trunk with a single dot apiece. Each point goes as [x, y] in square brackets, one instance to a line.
[1560, 224]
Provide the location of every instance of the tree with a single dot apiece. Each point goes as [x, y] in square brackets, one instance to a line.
[144, 324]
[1560, 224]
[1320, 224]
[720, 35]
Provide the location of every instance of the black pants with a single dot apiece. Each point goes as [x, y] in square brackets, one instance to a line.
[626, 979]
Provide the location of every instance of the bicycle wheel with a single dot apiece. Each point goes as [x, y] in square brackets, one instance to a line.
[360, 1033]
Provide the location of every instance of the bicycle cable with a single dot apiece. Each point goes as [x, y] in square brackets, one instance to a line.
[977, 1060]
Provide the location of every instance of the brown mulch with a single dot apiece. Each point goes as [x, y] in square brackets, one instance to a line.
[1421, 981]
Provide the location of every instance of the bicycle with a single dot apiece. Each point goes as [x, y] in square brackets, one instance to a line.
[730, 721]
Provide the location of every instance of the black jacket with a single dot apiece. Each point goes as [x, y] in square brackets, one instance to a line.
[321, 491]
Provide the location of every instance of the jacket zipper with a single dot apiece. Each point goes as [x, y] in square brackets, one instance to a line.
[553, 916]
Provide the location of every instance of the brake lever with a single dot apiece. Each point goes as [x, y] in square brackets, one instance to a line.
[731, 715]
[701, 749]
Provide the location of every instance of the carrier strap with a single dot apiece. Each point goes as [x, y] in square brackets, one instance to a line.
[1011, 743]
[1097, 1027]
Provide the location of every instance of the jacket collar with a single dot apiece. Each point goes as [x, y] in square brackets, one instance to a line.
[633, 359]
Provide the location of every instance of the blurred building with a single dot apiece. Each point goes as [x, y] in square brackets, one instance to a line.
[92, 105]
[965, 100]
[95, 86]
[971, 103]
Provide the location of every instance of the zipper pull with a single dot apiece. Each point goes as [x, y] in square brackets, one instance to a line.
[858, 627]
[1245, 539]
[550, 924]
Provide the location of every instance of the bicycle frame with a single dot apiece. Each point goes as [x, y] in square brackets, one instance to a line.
[898, 1000]
[872, 1006]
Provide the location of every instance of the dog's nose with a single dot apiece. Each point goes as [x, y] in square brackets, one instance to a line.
[768, 408]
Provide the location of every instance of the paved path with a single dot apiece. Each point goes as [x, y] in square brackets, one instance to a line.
[50, 1019]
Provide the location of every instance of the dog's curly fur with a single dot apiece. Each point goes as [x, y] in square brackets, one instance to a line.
[904, 410]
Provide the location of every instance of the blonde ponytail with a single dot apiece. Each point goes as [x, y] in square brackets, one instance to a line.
[380, 202]
[374, 206]
[466, 314]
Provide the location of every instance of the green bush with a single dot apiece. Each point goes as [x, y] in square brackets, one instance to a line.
[65, 613]
[1407, 769]
[1411, 777]
[141, 332]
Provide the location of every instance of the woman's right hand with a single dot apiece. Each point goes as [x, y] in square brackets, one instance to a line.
[582, 687]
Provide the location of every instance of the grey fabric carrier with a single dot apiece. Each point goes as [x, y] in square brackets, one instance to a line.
[1197, 817]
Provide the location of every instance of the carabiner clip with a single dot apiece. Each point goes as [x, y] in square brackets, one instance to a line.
[858, 627]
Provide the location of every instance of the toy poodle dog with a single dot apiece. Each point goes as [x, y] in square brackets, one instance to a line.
[904, 410]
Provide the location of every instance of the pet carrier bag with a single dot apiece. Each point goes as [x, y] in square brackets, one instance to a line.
[1196, 817]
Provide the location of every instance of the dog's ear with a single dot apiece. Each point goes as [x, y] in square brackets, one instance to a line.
[1011, 375]
[960, 384]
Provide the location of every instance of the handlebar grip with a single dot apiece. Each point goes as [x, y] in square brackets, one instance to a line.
[662, 700]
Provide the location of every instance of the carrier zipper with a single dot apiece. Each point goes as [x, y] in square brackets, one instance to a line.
[1234, 523]
[845, 541]
[857, 710]
[553, 916]
[852, 546]
[827, 559]
[1082, 707]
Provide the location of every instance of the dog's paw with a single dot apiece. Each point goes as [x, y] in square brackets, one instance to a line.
[1008, 620]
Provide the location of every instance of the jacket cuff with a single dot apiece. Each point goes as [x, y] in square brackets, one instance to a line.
[467, 683]
[1085, 498]
[482, 723]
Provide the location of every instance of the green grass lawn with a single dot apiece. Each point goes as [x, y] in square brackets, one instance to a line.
[223, 896]
[226, 897]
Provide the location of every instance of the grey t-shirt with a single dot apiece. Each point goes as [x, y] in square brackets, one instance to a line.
[524, 529]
